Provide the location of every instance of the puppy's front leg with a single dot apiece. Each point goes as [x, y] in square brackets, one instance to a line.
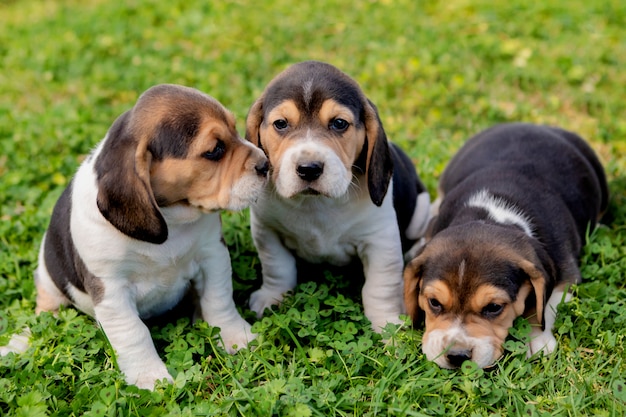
[136, 355]
[278, 265]
[382, 292]
[215, 288]
[544, 340]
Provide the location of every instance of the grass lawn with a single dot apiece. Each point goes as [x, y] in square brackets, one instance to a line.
[439, 71]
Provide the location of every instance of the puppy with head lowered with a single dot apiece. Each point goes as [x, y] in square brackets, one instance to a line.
[516, 203]
[338, 189]
[139, 225]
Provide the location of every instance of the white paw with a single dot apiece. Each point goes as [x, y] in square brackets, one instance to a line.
[264, 298]
[378, 323]
[541, 341]
[236, 336]
[146, 378]
[18, 343]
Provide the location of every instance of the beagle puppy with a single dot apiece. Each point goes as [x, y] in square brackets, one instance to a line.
[516, 203]
[139, 224]
[327, 200]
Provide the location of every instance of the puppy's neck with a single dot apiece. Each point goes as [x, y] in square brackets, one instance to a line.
[180, 214]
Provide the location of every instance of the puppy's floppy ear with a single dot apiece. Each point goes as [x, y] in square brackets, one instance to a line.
[542, 285]
[379, 165]
[412, 280]
[125, 195]
[253, 122]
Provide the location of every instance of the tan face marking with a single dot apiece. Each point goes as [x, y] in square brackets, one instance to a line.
[227, 182]
[472, 330]
[292, 140]
[467, 315]
[286, 110]
[352, 140]
[155, 155]
[311, 86]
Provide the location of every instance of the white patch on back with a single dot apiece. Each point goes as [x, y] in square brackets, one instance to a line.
[501, 211]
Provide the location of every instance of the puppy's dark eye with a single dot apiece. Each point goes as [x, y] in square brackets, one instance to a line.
[280, 124]
[338, 125]
[217, 153]
[492, 310]
[435, 305]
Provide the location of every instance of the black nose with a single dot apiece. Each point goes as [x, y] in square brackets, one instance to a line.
[262, 167]
[457, 357]
[310, 171]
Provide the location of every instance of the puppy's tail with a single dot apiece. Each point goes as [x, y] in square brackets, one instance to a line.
[19, 343]
[421, 216]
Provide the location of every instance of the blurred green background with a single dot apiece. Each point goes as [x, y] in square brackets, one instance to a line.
[438, 71]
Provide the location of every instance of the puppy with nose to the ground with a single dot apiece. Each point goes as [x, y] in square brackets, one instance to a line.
[138, 227]
[338, 189]
[516, 203]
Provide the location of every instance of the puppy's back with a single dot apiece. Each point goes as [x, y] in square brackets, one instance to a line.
[540, 158]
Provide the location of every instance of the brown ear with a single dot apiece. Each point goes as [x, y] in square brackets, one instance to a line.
[379, 165]
[541, 282]
[253, 122]
[125, 195]
[412, 281]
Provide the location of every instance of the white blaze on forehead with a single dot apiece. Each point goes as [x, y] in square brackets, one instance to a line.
[307, 88]
[501, 210]
[461, 271]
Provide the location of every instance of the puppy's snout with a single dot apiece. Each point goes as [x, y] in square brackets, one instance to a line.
[262, 167]
[457, 357]
[310, 171]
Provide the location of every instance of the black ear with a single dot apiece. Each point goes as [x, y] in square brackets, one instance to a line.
[542, 286]
[379, 165]
[413, 273]
[542, 273]
[125, 195]
[253, 122]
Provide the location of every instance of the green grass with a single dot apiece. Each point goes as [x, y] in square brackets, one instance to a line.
[439, 71]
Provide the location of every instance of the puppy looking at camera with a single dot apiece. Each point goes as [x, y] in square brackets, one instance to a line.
[516, 203]
[139, 224]
[338, 189]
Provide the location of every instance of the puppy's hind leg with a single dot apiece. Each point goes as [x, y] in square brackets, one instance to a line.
[49, 297]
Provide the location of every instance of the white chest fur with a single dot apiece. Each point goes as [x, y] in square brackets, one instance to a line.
[156, 275]
[320, 229]
[335, 231]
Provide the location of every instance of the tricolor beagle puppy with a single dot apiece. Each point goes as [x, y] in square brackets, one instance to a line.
[517, 202]
[139, 224]
[327, 200]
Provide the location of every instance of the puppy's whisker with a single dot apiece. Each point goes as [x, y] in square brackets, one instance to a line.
[354, 188]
